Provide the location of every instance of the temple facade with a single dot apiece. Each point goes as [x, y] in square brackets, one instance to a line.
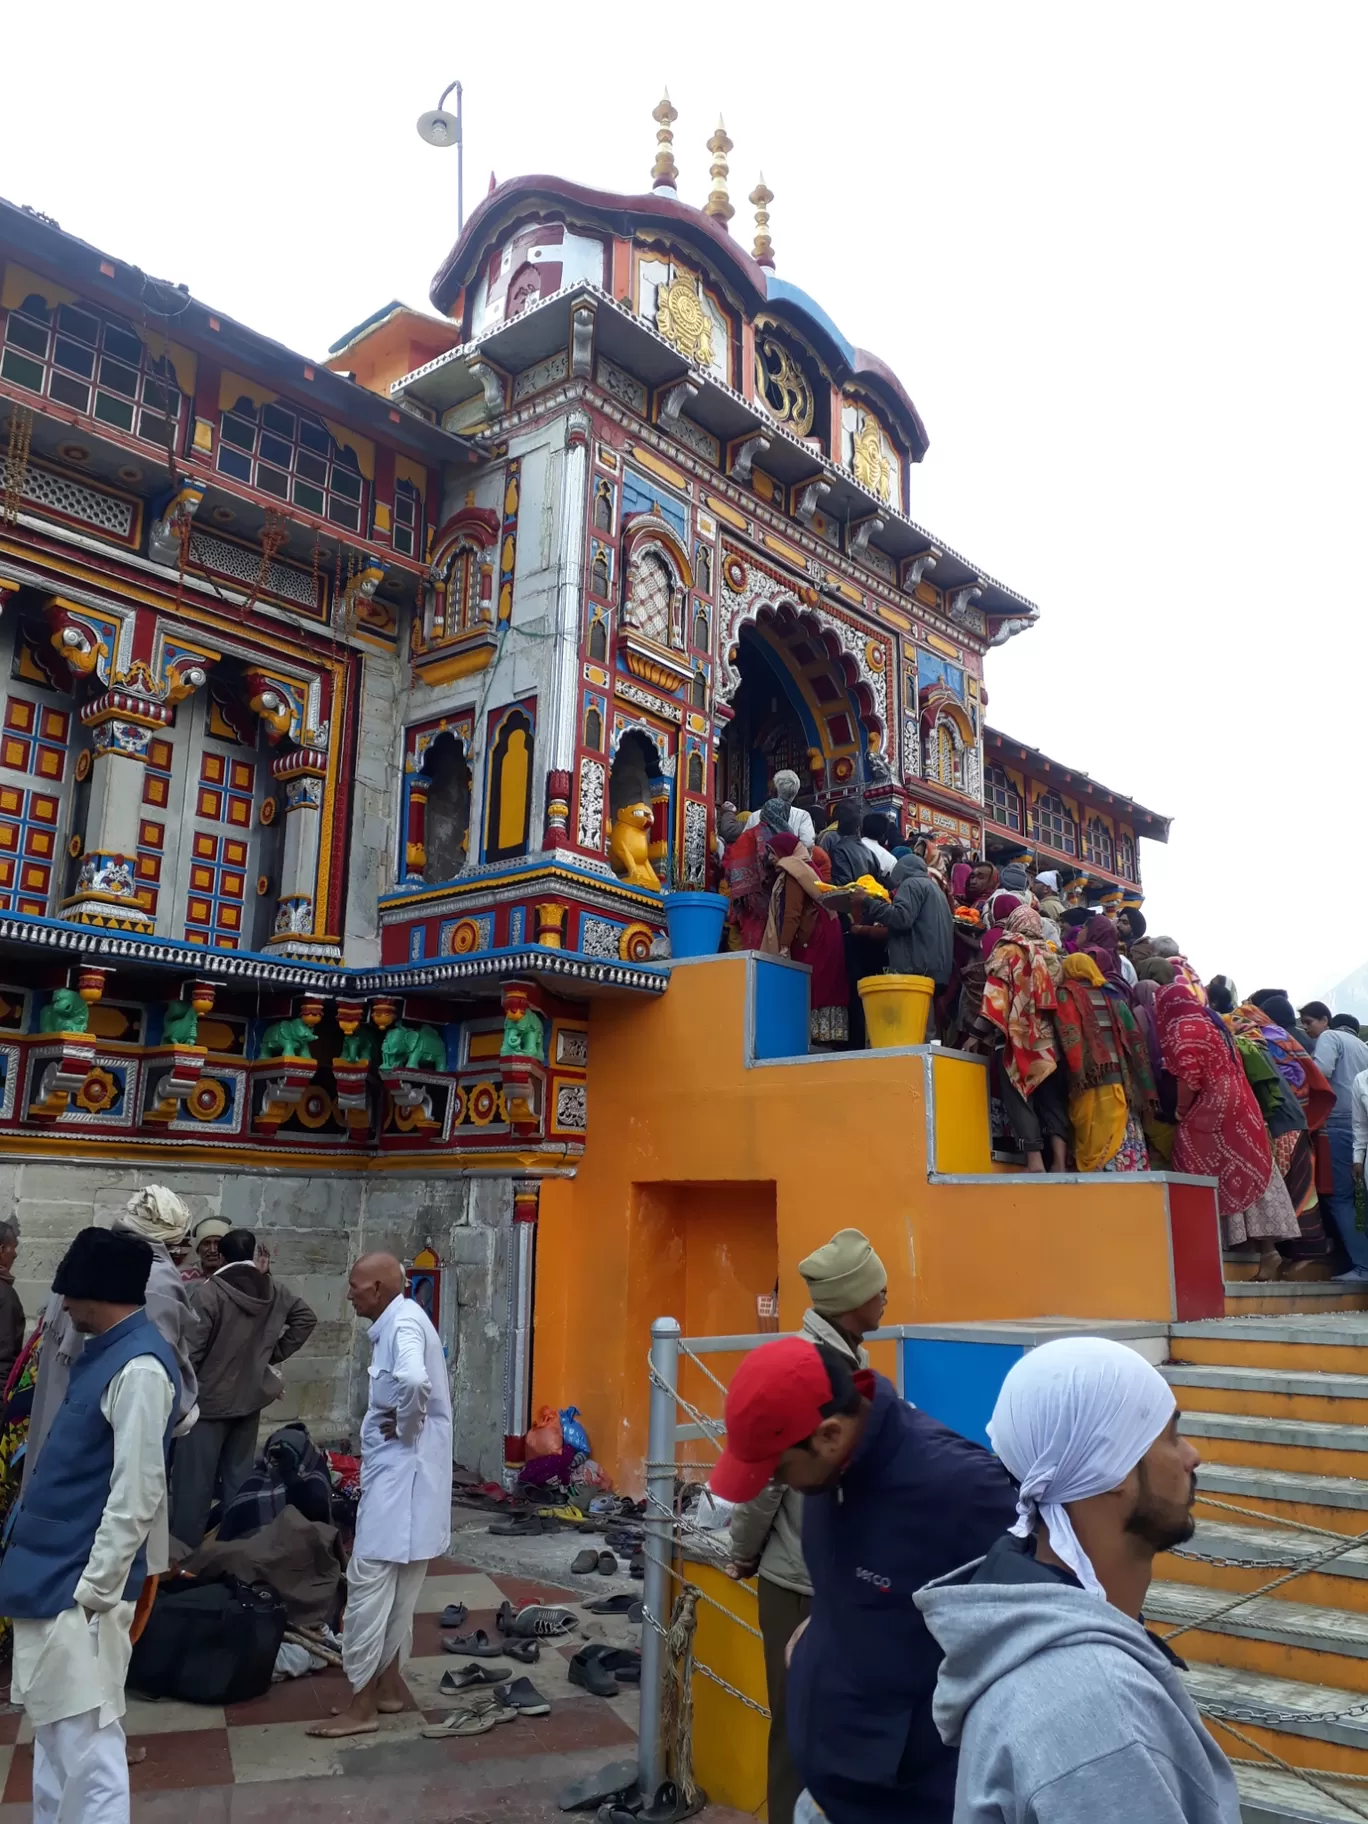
[360, 714]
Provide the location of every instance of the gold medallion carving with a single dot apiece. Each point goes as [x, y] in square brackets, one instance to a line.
[682, 320]
[783, 386]
[868, 462]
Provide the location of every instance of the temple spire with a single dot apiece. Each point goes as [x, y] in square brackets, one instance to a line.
[664, 175]
[718, 204]
[763, 251]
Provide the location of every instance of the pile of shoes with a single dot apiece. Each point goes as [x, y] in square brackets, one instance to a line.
[615, 1796]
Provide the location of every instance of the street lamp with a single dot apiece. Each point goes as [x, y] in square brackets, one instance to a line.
[439, 128]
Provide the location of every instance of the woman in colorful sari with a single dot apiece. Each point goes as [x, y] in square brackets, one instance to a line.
[1111, 1087]
[800, 926]
[1221, 1132]
[749, 875]
[1161, 1121]
[1295, 1118]
[1021, 980]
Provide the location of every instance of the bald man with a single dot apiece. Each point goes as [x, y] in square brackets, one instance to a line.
[405, 1513]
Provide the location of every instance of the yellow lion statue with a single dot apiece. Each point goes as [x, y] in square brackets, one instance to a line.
[629, 846]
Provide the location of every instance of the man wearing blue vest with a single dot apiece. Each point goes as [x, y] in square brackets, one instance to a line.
[77, 1557]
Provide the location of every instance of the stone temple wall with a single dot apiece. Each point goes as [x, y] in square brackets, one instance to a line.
[315, 1227]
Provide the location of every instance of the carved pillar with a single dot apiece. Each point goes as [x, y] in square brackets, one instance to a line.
[565, 674]
[557, 810]
[106, 884]
[518, 1365]
[302, 773]
[415, 833]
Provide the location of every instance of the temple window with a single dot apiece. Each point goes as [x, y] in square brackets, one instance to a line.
[509, 791]
[1052, 824]
[600, 581]
[598, 639]
[447, 821]
[700, 691]
[1125, 856]
[650, 597]
[293, 456]
[217, 842]
[94, 364]
[703, 570]
[1097, 843]
[1002, 799]
[603, 507]
[593, 729]
[700, 629]
[39, 726]
[696, 771]
[945, 754]
[635, 765]
[408, 518]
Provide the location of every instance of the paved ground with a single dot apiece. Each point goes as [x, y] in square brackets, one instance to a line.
[244, 1764]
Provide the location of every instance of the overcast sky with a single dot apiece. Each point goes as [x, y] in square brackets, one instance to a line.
[1114, 253]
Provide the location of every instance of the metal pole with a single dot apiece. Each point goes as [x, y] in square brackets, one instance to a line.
[659, 1543]
[460, 167]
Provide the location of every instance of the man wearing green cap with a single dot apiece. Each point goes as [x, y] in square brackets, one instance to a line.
[848, 1286]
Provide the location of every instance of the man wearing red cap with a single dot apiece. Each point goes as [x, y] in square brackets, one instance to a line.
[894, 1499]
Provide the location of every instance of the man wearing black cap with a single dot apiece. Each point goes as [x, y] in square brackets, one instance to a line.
[77, 1557]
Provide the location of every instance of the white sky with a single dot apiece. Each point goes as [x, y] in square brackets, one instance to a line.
[1115, 254]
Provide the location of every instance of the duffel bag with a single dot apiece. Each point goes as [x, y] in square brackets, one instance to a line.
[209, 1640]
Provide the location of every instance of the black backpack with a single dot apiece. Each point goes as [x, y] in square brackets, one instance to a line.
[209, 1640]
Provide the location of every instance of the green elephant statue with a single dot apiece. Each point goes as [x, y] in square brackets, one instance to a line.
[522, 1036]
[413, 1048]
[180, 1024]
[65, 1012]
[287, 1039]
[359, 1047]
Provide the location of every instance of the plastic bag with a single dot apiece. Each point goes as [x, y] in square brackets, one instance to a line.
[544, 1439]
[572, 1431]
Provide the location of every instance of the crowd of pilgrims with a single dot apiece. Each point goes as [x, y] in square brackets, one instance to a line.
[1106, 1050]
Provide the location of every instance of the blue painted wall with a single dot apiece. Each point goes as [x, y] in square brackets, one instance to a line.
[957, 1383]
[781, 1009]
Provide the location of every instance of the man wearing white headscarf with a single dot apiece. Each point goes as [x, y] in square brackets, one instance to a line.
[160, 1218]
[787, 786]
[1064, 1708]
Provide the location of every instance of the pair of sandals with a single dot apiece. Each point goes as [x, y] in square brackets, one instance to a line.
[520, 1693]
[589, 1560]
[479, 1646]
[630, 1606]
[603, 1670]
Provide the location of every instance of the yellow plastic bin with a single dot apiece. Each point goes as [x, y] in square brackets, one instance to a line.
[896, 1008]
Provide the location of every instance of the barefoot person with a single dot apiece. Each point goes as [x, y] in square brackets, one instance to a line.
[405, 1513]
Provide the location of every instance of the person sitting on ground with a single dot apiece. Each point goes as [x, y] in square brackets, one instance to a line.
[892, 1499]
[246, 1323]
[1064, 1708]
[848, 1287]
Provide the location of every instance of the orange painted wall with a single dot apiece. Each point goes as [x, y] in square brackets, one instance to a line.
[687, 1146]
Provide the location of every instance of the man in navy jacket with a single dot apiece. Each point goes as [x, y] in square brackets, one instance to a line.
[895, 1500]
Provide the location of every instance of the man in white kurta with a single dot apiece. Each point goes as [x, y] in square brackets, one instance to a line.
[405, 1514]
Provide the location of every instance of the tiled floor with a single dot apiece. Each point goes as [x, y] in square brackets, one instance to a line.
[237, 1765]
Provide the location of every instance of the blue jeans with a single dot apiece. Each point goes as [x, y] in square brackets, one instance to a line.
[1339, 1204]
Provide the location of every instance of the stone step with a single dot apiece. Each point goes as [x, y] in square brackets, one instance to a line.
[1278, 1297]
[1338, 1503]
[1278, 1393]
[1289, 1639]
[1277, 1548]
[1254, 1442]
[1288, 1716]
[1270, 1796]
[1327, 1342]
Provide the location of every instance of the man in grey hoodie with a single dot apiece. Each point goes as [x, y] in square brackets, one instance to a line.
[1065, 1709]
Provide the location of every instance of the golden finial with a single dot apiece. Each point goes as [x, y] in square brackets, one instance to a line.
[763, 251]
[664, 175]
[718, 205]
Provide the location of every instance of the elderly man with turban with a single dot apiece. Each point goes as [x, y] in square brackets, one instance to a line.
[158, 1217]
[1065, 1709]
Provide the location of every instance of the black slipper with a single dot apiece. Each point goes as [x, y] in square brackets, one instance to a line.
[667, 1807]
[607, 1565]
[476, 1646]
[612, 1605]
[586, 1672]
[461, 1679]
[523, 1696]
[526, 1652]
[637, 1613]
[637, 1568]
[585, 1562]
[609, 1782]
[522, 1526]
[454, 1615]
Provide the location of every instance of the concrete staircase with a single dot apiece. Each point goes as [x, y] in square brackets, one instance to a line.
[1275, 1397]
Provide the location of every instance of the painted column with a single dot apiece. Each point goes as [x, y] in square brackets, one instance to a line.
[106, 884]
[518, 1363]
[301, 772]
[559, 747]
[415, 832]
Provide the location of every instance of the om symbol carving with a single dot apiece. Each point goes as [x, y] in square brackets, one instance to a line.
[783, 386]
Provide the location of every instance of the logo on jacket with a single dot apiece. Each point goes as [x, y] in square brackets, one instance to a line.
[880, 1582]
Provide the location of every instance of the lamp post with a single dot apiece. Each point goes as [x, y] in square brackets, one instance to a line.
[439, 128]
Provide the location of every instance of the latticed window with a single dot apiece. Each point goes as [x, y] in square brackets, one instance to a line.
[294, 457]
[464, 609]
[1125, 856]
[94, 364]
[650, 597]
[1097, 843]
[1051, 823]
[408, 518]
[1002, 799]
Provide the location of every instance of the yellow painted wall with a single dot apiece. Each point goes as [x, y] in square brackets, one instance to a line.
[687, 1145]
